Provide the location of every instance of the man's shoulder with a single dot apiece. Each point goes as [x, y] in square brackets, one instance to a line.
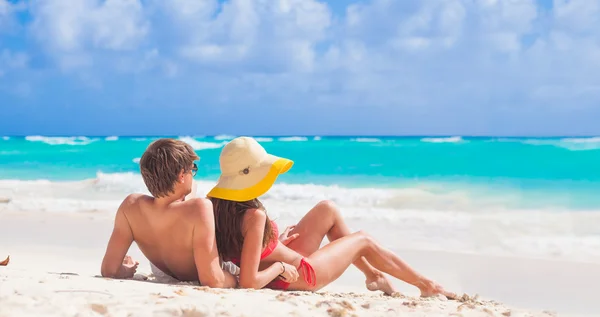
[134, 199]
[198, 208]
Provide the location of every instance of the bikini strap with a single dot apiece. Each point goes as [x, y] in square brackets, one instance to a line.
[309, 273]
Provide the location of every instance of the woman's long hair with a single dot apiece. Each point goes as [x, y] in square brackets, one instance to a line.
[229, 216]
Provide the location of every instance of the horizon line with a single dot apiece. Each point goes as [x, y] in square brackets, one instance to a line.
[304, 135]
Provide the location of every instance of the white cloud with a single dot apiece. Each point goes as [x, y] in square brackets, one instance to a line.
[449, 56]
[436, 57]
[72, 29]
[280, 35]
[578, 15]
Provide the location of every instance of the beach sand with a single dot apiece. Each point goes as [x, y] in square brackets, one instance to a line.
[55, 263]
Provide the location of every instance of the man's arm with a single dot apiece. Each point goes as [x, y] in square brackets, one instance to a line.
[206, 255]
[118, 245]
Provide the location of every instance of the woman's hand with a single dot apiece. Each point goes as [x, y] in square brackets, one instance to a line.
[289, 274]
[285, 239]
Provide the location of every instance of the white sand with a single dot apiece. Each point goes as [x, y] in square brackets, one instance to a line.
[44, 245]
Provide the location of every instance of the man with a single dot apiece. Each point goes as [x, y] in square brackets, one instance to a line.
[173, 229]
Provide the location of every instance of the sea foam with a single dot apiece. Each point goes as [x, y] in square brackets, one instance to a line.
[573, 144]
[80, 140]
[454, 139]
[423, 218]
[200, 145]
[293, 139]
[366, 140]
[224, 137]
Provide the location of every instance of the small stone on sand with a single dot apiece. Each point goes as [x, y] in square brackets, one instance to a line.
[99, 308]
[337, 312]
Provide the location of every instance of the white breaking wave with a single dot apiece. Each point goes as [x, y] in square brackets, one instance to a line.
[136, 160]
[112, 138]
[199, 145]
[437, 197]
[454, 139]
[80, 140]
[117, 185]
[224, 137]
[366, 140]
[422, 218]
[572, 144]
[293, 139]
[140, 139]
[5, 138]
[580, 144]
[317, 138]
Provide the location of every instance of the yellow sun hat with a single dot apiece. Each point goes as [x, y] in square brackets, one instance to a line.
[247, 170]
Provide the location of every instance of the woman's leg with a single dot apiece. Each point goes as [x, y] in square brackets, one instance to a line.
[325, 220]
[332, 260]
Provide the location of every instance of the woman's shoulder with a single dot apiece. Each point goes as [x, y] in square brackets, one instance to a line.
[255, 214]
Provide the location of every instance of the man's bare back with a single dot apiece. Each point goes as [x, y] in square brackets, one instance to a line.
[164, 234]
[175, 237]
[174, 230]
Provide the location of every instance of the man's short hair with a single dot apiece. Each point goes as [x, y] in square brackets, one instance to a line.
[162, 162]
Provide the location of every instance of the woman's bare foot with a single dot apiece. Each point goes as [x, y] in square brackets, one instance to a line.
[430, 288]
[379, 282]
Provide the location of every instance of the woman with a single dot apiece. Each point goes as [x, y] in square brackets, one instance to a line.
[247, 237]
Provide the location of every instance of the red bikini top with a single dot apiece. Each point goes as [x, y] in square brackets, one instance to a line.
[270, 247]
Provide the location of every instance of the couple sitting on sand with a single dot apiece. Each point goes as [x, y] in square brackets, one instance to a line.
[193, 239]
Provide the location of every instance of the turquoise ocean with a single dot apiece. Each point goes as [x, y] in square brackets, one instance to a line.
[527, 172]
[527, 196]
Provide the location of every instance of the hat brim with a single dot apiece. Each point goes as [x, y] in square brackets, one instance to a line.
[257, 183]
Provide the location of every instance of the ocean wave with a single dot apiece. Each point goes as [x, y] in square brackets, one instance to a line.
[317, 138]
[580, 144]
[120, 184]
[80, 140]
[366, 140]
[5, 138]
[224, 137]
[423, 217]
[453, 139]
[200, 145]
[293, 139]
[111, 138]
[415, 198]
[139, 139]
[572, 144]
[262, 139]
[136, 160]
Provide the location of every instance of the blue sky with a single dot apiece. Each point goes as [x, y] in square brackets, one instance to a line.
[289, 67]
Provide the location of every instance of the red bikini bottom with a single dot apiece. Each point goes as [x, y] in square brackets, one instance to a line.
[309, 277]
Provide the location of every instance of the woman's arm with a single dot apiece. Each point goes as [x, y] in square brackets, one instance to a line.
[250, 276]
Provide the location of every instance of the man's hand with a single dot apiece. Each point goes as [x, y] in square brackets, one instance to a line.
[285, 239]
[128, 268]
